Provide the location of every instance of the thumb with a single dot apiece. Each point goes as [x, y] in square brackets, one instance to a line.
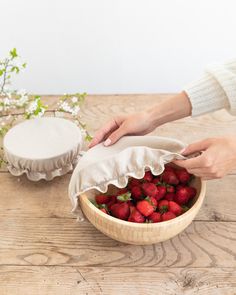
[196, 147]
[115, 136]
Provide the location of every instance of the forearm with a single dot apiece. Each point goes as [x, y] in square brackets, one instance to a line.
[171, 109]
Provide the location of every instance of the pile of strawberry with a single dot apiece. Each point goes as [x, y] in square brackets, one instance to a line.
[150, 199]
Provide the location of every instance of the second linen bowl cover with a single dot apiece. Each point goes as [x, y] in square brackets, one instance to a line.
[42, 148]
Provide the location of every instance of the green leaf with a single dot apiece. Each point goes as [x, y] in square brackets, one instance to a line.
[88, 137]
[1, 72]
[13, 53]
[24, 65]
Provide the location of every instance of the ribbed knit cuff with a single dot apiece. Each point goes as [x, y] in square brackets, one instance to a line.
[206, 95]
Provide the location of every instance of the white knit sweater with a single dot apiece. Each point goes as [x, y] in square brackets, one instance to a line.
[215, 90]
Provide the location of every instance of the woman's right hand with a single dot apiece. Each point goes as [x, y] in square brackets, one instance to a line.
[134, 124]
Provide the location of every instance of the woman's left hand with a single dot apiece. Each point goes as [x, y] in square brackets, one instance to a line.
[217, 159]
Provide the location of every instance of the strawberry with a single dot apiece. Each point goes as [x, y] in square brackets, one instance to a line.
[148, 176]
[170, 189]
[161, 191]
[169, 168]
[145, 207]
[136, 216]
[156, 180]
[111, 202]
[175, 208]
[182, 196]
[155, 217]
[122, 191]
[169, 196]
[170, 177]
[149, 189]
[180, 186]
[120, 210]
[103, 210]
[167, 216]
[124, 197]
[102, 199]
[163, 206]
[183, 175]
[153, 201]
[192, 192]
[136, 192]
[134, 182]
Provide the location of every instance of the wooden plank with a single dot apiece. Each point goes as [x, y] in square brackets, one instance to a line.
[120, 280]
[57, 241]
[23, 198]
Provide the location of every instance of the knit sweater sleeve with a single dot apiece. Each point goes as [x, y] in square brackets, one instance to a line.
[215, 90]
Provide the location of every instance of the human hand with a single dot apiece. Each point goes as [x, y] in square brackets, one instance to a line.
[218, 157]
[134, 124]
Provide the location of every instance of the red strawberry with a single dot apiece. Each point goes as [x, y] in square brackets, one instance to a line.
[120, 210]
[134, 182]
[153, 201]
[170, 189]
[183, 175]
[170, 196]
[163, 206]
[180, 186]
[192, 192]
[175, 208]
[170, 177]
[156, 180]
[136, 192]
[161, 191]
[182, 196]
[103, 210]
[167, 216]
[111, 202]
[122, 191]
[149, 189]
[169, 168]
[155, 217]
[102, 199]
[148, 176]
[136, 216]
[145, 207]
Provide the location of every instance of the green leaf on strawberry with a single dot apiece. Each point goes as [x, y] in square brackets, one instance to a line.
[124, 197]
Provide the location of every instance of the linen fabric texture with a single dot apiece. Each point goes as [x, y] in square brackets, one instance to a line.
[42, 148]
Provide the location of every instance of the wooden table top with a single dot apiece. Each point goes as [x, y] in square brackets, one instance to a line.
[43, 250]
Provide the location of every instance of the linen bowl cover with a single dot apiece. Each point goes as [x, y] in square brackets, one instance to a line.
[42, 148]
[130, 156]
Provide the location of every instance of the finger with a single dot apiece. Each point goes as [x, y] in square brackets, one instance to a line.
[196, 147]
[100, 135]
[196, 162]
[115, 136]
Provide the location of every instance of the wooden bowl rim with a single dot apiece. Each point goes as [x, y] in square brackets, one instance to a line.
[149, 225]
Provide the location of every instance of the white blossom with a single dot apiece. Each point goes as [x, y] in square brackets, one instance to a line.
[74, 99]
[65, 107]
[75, 110]
[22, 100]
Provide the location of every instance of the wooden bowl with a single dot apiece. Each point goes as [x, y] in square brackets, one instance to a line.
[144, 233]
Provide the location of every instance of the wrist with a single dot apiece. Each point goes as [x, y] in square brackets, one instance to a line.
[173, 108]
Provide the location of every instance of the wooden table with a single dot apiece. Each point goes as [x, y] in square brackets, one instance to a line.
[43, 250]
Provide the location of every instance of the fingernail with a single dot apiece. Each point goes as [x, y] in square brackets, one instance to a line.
[107, 142]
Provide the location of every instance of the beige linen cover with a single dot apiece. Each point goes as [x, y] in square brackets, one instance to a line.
[130, 156]
[42, 148]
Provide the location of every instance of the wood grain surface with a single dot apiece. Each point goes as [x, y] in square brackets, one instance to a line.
[44, 250]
